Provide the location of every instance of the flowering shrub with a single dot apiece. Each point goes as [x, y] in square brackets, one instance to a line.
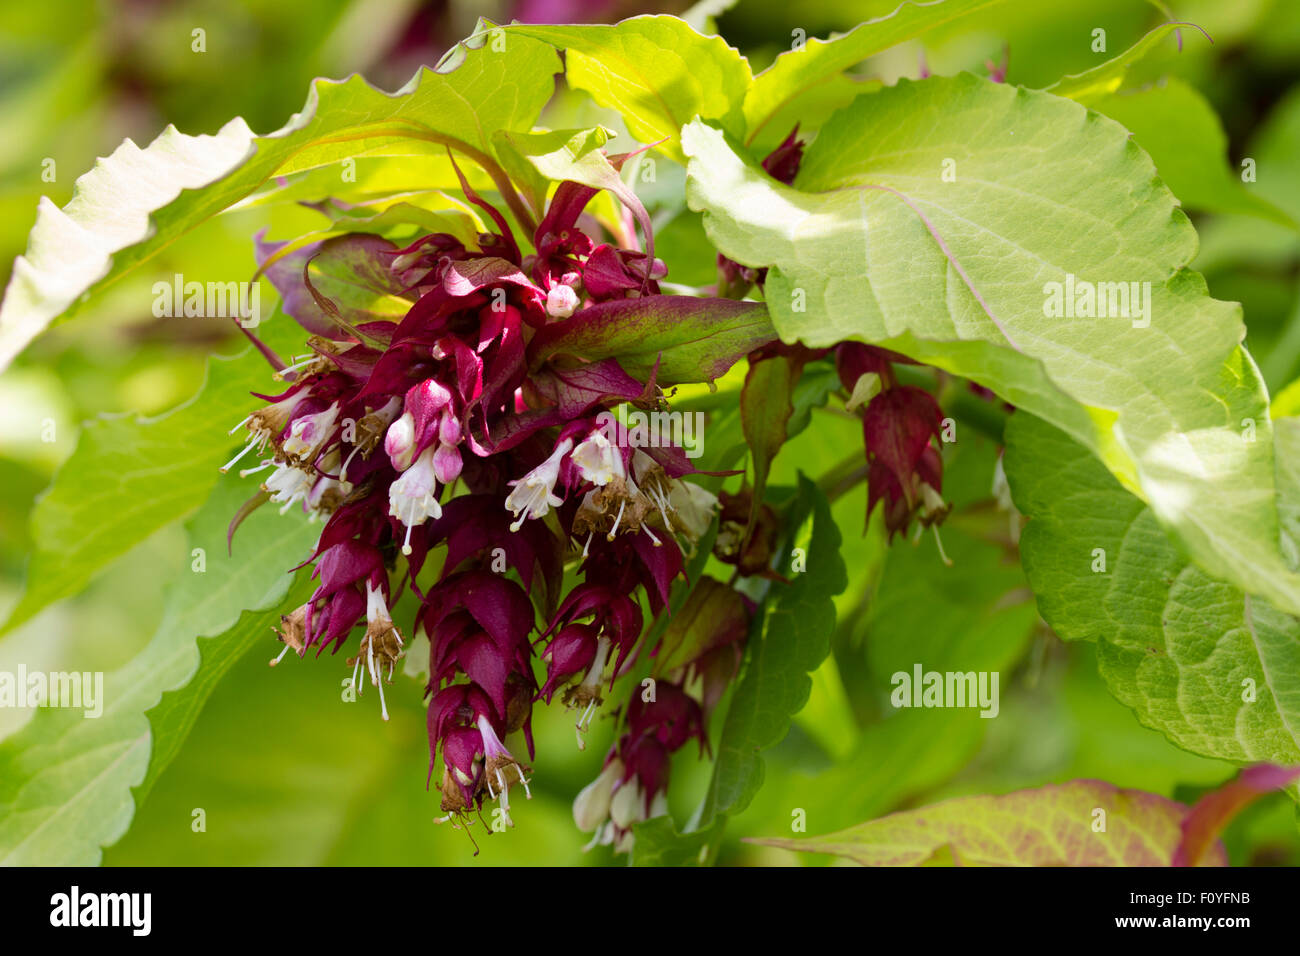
[472, 409]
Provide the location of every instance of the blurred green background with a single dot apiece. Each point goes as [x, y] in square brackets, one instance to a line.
[289, 774]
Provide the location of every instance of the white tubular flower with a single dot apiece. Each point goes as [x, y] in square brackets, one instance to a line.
[534, 494]
[693, 507]
[656, 486]
[588, 692]
[264, 425]
[500, 769]
[326, 494]
[591, 806]
[374, 423]
[598, 459]
[411, 497]
[627, 812]
[308, 433]
[931, 500]
[1002, 494]
[382, 644]
[627, 806]
[289, 484]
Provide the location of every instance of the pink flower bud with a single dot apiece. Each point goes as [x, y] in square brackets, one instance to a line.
[447, 463]
[399, 442]
[449, 429]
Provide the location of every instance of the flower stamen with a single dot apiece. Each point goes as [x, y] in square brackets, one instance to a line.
[247, 448]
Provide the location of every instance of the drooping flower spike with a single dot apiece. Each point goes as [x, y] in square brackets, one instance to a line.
[900, 425]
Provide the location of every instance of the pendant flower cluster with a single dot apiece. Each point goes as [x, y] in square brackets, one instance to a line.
[449, 434]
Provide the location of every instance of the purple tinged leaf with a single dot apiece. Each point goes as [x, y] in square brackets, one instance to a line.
[558, 229]
[346, 563]
[766, 404]
[1054, 825]
[351, 282]
[568, 654]
[475, 524]
[713, 616]
[693, 339]
[567, 394]
[898, 426]
[246, 509]
[573, 391]
[485, 665]
[671, 718]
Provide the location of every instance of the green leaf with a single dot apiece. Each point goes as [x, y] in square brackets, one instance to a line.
[71, 249]
[65, 781]
[808, 109]
[172, 719]
[977, 615]
[654, 70]
[805, 85]
[1177, 126]
[1286, 442]
[875, 245]
[131, 476]
[1049, 826]
[1215, 670]
[793, 637]
[136, 201]
[1274, 149]
[522, 171]
[659, 844]
[816, 383]
[398, 217]
[378, 180]
[1108, 77]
